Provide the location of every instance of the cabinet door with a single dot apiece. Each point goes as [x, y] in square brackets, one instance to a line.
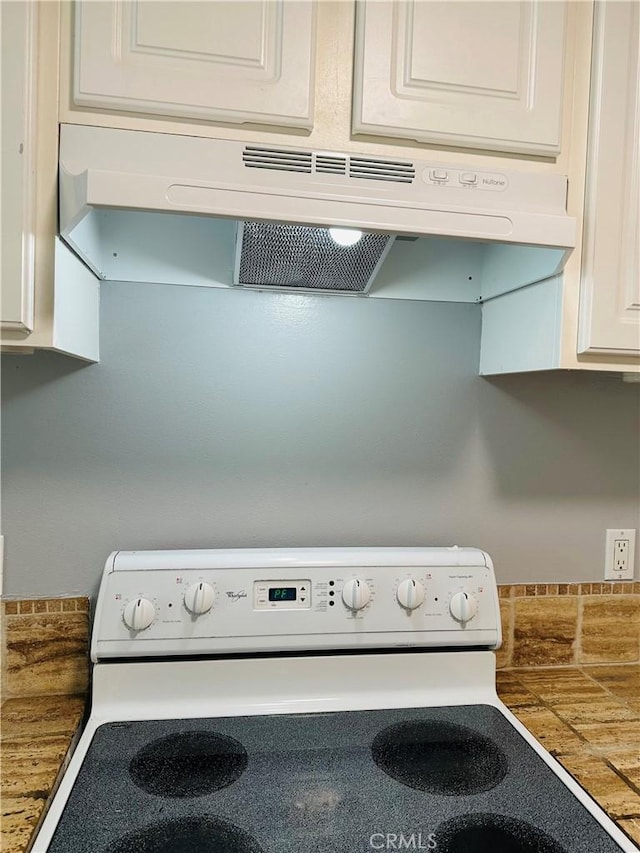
[610, 293]
[485, 75]
[18, 33]
[228, 60]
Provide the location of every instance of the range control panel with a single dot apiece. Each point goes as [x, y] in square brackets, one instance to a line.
[292, 600]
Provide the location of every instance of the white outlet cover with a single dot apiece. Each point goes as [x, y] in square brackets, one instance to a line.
[611, 572]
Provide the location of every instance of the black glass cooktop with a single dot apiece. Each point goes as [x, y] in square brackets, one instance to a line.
[450, 780]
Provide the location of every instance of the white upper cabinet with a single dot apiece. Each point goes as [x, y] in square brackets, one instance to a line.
[238, 62]
[482, 75]
[48, 298]
[610, 296]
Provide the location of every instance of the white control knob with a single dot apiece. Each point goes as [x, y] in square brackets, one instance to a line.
[356, 594]
[139, 614]
[463, 606]
[410, 594]
[199, 598]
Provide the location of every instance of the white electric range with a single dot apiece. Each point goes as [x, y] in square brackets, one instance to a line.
[315, 700]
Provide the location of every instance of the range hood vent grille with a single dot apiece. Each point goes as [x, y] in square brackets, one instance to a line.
[291, 160]
[277, 158]
[331, 164]
[306, 258]
[381, 170]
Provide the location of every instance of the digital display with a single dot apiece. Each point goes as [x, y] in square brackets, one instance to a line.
[282, 593]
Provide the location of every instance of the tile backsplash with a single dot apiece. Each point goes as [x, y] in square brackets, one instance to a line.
[45, 647]
[569, 624]
[45, 641]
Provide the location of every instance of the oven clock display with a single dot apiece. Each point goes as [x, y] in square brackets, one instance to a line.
[283, 593]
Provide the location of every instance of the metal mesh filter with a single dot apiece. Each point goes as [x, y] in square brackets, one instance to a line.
[298, 256]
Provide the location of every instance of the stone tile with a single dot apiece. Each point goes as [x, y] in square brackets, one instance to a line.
[632, 828]
[30, 767]
[622, 681]
[626, 762]
[610, 629]
[10, 608]
[503, 655]
[19, 818]
[560, 684]
[594, 710]
[604, 785]
[610, 735]
[46, 654]
[544, 630]
[553, 734]
[34, 716]
[569, 588]
[512, 691]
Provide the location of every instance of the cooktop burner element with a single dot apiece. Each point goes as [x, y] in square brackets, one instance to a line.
[439, 757]
[481, 833]
[189, 835]
[188, 764]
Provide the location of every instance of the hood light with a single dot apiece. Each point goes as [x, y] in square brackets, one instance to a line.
[345, 236]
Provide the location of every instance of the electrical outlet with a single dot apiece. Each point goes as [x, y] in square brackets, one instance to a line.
[620, 548]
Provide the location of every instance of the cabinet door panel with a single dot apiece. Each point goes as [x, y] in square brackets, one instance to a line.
[610, 294]
[18, 32]
[229, 60]
[475, 74]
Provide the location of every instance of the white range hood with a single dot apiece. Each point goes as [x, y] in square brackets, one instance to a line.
[144, 206]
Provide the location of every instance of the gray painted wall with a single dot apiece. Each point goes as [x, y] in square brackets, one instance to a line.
[222, 419]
